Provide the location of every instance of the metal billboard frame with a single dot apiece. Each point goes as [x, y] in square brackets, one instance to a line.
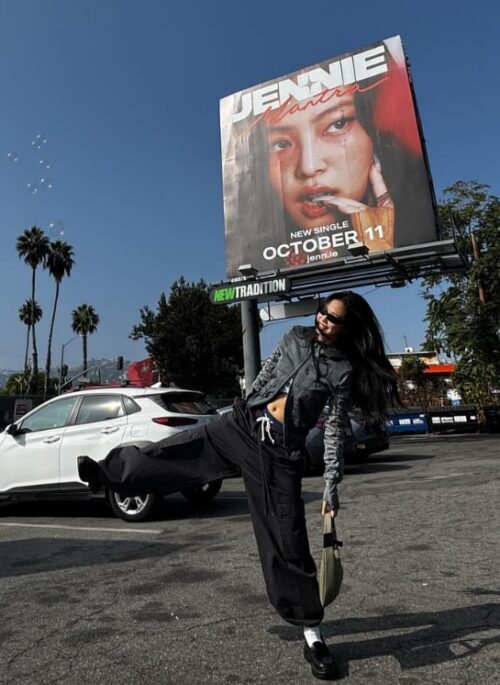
[395, 268]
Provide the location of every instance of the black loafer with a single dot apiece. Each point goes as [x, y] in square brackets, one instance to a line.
[322, 664]
[88, 471]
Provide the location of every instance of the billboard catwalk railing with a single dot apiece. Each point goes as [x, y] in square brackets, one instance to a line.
[396, 268]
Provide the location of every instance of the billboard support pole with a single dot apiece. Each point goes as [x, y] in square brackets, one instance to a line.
[251, 340]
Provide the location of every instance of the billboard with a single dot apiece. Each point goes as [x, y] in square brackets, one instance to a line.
[322, 158]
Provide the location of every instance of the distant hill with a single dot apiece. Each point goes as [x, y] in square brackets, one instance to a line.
[108, 372]
[105, 374]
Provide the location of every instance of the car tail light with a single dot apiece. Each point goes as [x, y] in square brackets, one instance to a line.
[174, 420]
[359, 420]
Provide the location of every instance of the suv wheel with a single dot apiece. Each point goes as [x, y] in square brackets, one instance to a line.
[132, 507]
[203, 493]
[362, 455]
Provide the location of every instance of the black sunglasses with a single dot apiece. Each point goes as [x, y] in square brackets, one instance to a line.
[332, 318]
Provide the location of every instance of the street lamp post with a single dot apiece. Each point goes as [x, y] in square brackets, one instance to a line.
[62, 361]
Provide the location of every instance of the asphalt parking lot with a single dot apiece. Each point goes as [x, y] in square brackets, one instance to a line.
[88, 598]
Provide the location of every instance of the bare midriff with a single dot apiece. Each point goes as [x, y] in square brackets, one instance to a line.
[276, 407]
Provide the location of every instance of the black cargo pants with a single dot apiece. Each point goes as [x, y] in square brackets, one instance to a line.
[273, 481]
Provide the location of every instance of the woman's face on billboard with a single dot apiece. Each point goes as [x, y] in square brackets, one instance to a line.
[321, 150]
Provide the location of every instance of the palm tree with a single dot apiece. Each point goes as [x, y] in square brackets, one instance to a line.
[26, 312]
[59, 263]
[33, 247]
[85, 320]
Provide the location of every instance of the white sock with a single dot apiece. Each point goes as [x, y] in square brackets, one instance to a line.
[312, 635]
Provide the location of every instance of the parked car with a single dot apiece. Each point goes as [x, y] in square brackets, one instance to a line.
[38, 453]
[370, 435]
[364, 436]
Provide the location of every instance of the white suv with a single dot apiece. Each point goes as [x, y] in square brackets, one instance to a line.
[38, 453]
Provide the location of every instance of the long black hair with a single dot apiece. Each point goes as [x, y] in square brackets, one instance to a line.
[375, 385]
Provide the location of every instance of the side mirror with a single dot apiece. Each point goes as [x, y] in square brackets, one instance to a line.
[12, 429]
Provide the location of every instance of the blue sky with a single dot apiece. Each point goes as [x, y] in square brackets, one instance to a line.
[125, 95]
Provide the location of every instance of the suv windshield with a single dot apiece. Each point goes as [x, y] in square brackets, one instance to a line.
[183, 403]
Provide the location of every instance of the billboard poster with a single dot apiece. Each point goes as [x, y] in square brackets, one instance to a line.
[322, 158]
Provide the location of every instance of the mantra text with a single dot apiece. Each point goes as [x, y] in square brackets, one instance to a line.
[352, 69]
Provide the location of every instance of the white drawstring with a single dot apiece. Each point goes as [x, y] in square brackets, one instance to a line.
[265, 428]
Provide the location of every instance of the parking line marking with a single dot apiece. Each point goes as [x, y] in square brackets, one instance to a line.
[85, 528]
[447, 475]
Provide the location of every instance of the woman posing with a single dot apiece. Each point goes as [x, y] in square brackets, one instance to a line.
[340, 361]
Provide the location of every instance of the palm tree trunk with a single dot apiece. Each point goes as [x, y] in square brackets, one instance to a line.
[49, 343]
[27, 350]
[34, 378]
[84, 354]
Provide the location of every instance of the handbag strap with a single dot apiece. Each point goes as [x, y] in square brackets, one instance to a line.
[330, 533]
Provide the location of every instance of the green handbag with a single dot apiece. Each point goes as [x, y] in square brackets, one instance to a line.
[331, 571]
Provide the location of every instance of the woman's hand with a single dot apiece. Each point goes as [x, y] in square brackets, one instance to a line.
[374, 225]
[325, 508]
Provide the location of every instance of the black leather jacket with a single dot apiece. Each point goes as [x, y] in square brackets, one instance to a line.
[319, 374]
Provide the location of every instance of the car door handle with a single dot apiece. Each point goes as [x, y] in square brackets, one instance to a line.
[53, 438]
[111, 429]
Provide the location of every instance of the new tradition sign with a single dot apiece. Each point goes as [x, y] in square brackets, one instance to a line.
[226, 293]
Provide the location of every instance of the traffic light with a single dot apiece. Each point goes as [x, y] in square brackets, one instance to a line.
[119, 363]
